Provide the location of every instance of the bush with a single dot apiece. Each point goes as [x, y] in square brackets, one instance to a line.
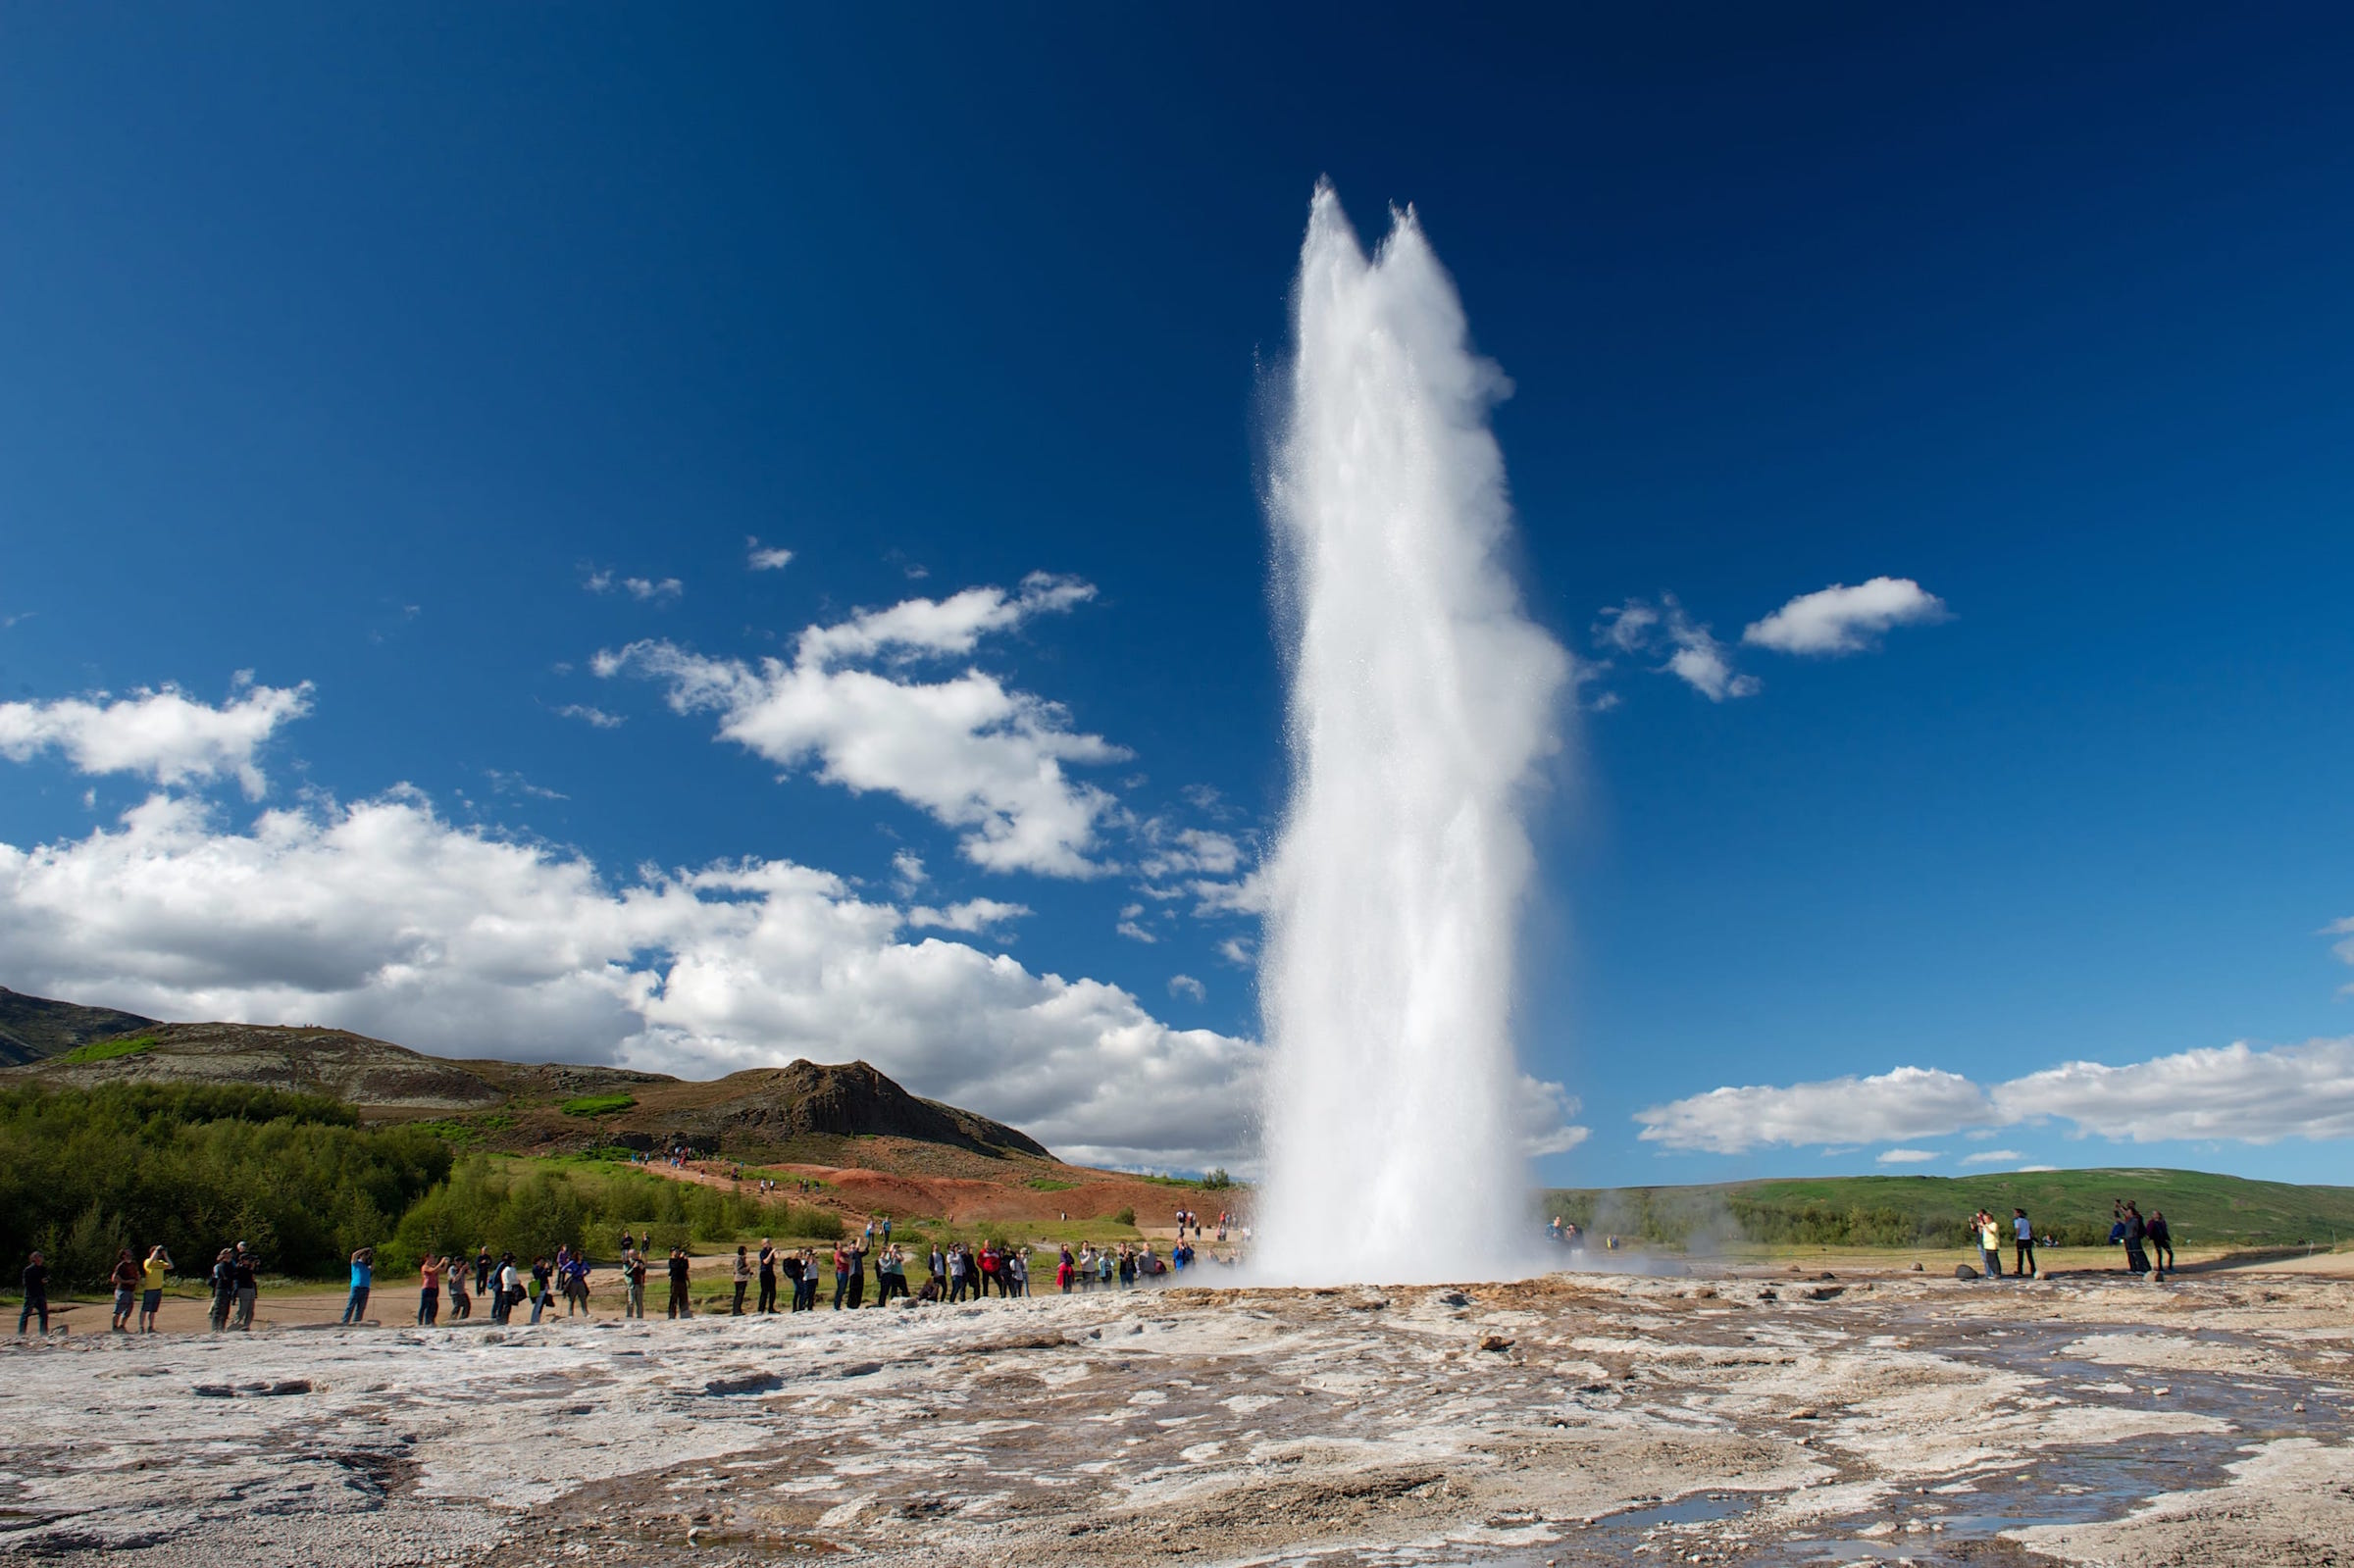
[86, 1172]
[1125, 1217]
[531, 1210]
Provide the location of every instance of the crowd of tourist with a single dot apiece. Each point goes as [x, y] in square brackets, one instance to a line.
[952, 1272]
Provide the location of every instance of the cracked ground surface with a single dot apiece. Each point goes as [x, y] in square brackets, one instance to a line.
[1573, 1419]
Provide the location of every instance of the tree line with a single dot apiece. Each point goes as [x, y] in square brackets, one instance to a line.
[84, 1172]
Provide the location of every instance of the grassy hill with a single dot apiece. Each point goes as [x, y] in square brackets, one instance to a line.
[800, 1110]
[2205, 1210]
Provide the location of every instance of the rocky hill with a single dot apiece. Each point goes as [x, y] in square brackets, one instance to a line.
[804, 1108]
[33, 1029]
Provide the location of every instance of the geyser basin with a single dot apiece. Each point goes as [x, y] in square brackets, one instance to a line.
[1422, 701]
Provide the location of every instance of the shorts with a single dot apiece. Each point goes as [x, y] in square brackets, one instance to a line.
[152, 1300]
[123, 1301]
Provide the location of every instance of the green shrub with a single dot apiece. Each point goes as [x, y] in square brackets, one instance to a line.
[1048, 1184]
[1125, 1217]
[598, 1104]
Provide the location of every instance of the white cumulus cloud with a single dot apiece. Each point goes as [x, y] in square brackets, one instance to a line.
[649, 590]
[1908, 1156]
[383, 918]
[162, 734]
[765, 559]
[1842, 620]
[1909, 1102]
[2235, 1091]
[966, 749]
[1186, 985]
[1993, 1156]
[2238, 1092]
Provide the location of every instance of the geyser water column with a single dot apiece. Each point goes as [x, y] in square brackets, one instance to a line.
[1422, 702]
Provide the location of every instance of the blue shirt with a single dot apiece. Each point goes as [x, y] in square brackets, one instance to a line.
[361, 1273]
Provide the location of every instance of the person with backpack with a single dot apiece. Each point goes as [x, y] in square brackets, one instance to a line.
[541, 1295]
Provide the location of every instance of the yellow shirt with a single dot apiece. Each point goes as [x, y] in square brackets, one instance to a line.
[1994, 1237]
[152, 1273]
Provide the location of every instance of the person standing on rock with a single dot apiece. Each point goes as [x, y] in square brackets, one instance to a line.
[679, 1305]
[2023, 1263]
[428, 1288]
[363, 1275]
[743, 1278]
[126, 1281]
[768, 1275]
[2162, 1242]
[940, 1274]
[249, 1286]
[453, 1269]
[856, 1258]
[35, 1281]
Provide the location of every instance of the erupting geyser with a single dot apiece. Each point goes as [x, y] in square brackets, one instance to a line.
[1422, 701]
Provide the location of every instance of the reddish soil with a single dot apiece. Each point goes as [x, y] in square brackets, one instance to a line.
[864, 1193]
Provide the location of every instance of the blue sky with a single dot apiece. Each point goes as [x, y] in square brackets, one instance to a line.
[359, 351]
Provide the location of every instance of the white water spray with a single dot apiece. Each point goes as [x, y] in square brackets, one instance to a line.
[1422, 702]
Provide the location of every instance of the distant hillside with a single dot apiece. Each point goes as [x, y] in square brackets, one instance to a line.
[805, 1111]
[2204, 1210]
[35, 1027]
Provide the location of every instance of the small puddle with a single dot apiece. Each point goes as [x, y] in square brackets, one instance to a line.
[1698, 1508]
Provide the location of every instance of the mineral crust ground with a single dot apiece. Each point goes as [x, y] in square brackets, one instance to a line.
[1575, 1419]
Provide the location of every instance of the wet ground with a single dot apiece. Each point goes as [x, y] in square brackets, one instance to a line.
[1574, 1420]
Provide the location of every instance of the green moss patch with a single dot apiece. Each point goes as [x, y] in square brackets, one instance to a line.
[106, 1050]
[598, 1104]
